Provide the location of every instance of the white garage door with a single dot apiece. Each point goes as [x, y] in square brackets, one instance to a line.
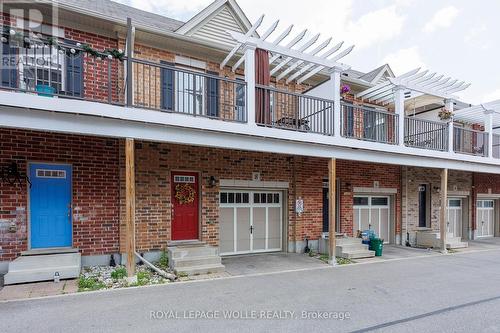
[485, 218]
[373, 212]
[250, 221]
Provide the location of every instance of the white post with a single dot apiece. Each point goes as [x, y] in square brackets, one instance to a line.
[399, 106]
[335, 85]
[449, 104]
[443, 211]
[488, 127]
[250, 80]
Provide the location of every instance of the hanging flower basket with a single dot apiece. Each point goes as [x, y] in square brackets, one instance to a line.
[445, 114]
[184, 193]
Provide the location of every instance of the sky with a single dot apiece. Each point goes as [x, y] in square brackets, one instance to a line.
[458, 38]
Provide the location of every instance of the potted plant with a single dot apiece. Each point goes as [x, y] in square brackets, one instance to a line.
[445, 114]
[344, 90]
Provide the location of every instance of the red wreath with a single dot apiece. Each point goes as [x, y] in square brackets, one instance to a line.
[184, 193]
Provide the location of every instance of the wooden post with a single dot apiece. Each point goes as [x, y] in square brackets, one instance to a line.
[332, 188]
[130, 205]
[443, 213]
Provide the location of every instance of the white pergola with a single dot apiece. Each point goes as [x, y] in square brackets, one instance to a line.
[296, 59]
[418, 82]
[481, 114]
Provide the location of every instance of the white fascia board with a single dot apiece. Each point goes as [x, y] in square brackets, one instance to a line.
[204, 126]
[115, 128]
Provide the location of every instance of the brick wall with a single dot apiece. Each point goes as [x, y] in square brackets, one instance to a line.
[95, 188]
[358, 174]
[154, 163]
[458, 182]
[483, 183]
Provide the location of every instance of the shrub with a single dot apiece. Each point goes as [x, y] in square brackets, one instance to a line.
[90, 283]
[119, 273]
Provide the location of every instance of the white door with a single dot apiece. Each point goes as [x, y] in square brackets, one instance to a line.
[373, 212]
[250, 221]
[485, 218]
[455, 216]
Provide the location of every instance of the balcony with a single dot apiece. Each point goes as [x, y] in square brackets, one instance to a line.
[71, 72]
[368, 124]
[470, 142]
[426, 134]
[292, 111]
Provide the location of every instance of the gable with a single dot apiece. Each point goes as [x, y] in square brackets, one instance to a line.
[214, 28]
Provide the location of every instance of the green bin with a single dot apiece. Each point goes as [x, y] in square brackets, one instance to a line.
[377, 245]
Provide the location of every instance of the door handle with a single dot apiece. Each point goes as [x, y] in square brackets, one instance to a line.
[251, 229]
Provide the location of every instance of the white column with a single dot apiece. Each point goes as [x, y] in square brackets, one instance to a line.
[449, 105]
[250, 80]
[335, 85]
[399, 105]
[443, 211]
[488, 127]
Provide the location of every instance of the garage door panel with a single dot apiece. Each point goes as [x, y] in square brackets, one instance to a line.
[242, 229]
[259, 228]
[250, 221]
[384, 227]
[226, 233]
[274, 228]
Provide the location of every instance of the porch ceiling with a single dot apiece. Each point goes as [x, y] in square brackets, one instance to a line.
[415, 83]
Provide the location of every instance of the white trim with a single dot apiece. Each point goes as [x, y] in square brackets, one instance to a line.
[375, 190]
[81, 117]
[253, 184]
[487, 196]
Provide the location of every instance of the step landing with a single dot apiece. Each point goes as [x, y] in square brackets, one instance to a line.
[34, 268]
[195, 259]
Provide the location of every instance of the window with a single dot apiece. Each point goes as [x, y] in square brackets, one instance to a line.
[379, 201]
[423, 205]
[454, 202]
[234, 197]
[240, 100]
[42, 65]
[43, 173]
[184, 179]
[361, 201]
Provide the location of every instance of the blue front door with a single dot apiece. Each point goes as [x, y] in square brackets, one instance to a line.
[50, 206]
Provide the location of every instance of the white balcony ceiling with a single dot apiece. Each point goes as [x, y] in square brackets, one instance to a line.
[478, 114]
[292, 58]
[417, 83]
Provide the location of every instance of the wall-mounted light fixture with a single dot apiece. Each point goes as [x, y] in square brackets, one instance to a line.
[212, 181]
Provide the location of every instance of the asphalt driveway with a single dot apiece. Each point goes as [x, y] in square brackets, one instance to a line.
[446, 293]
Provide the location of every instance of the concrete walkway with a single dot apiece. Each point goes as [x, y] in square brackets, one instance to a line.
[269, 263]
[38, 289]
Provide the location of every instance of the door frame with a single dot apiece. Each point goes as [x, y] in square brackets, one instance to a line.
[28, 204]
[494, 216]
[462, 208]
[200, 192]
[283, 215]
[391, 213]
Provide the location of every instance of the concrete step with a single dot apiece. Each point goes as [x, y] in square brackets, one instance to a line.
[177, 252]
[201, 269]
[195, 261]
[456, 245]
[358, 254]
[348, 241]
[43, 267]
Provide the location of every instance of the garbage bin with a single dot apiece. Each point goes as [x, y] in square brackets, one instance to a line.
[377, 245]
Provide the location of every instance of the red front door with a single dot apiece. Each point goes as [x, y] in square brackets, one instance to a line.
[185, 205]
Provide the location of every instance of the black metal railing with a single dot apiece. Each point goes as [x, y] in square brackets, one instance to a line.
[426, 134]
[368, 124]
[166, 88]
[469, 141]
[51, 68]
[293, 111]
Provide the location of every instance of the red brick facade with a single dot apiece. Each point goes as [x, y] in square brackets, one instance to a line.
[483, 183]
[95, 188]
[98, 172]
